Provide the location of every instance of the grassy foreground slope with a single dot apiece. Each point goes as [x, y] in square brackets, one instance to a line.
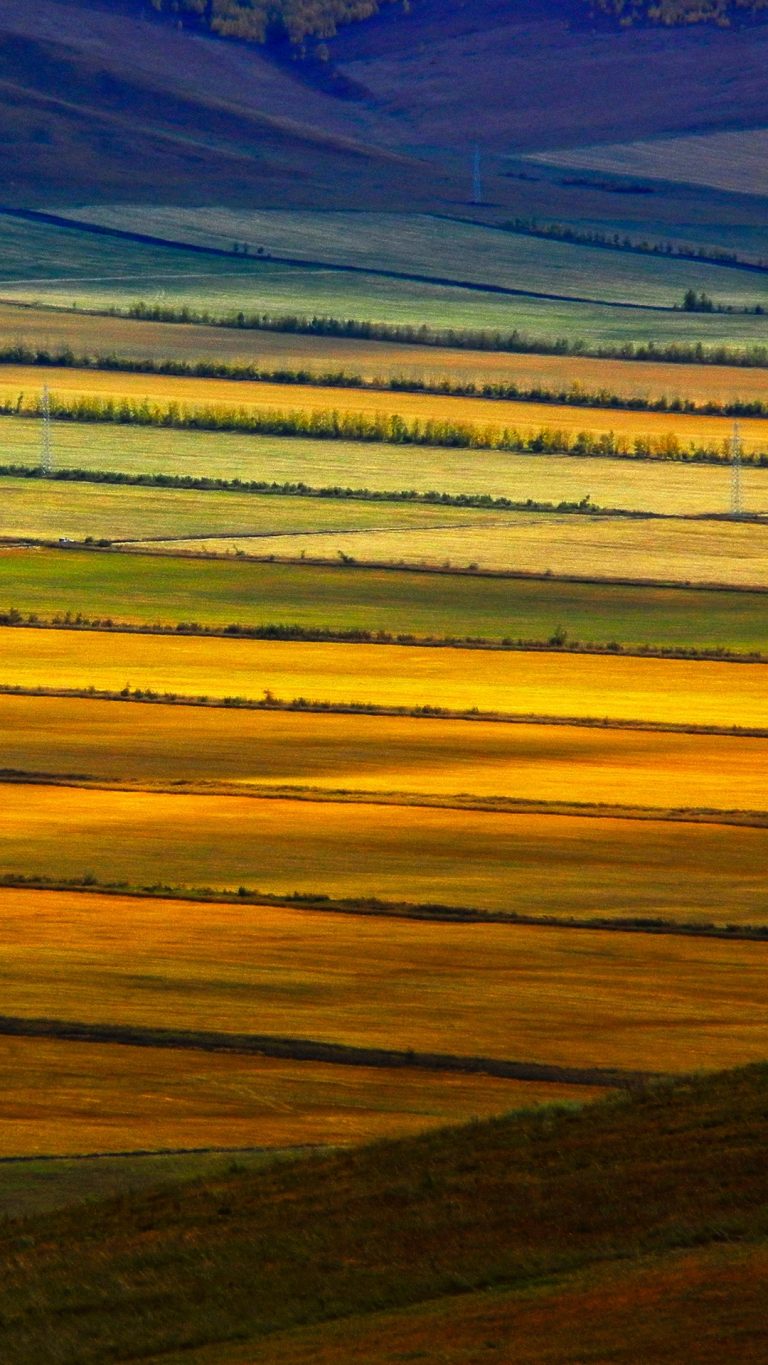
[499, 1206]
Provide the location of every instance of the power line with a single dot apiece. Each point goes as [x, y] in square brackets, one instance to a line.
[46, 445]
[736, 508]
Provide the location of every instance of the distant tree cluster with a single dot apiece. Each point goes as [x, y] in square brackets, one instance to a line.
[672, 12]
[261, 21]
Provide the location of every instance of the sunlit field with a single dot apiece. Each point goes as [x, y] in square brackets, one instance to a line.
[541, 864]
[548, 994]
[540, 684]
[731, 553]
[162, 746]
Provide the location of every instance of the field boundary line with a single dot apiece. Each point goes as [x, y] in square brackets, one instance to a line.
[322, 635]
[300, 705]
[373, 908]
[312, 1050]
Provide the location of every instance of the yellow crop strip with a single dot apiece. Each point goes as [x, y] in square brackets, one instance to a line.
[548, 994]
[67, 1098]
[381, 754]
[314, 398]
[530, 864]
[529, 683]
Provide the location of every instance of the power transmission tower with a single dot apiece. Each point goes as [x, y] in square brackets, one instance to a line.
[736, 471]
[477, 178]
[46, 447]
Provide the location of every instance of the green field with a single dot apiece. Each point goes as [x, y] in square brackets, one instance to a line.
[66, 268]
[642, 485]
[438, 247]
[146, 588]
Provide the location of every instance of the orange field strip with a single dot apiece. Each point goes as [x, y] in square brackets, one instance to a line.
[108, 741]
[529, 994]
[65, 1098]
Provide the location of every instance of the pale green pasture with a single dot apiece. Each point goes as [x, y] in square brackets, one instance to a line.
[635, 485]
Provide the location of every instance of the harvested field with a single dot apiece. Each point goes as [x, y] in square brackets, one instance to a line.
[137, 340]
[435, 247]
[638, 485]
[377, 754]
[477, 412]
[147, 588]
[42, 510]
[66, 1098]
[534, 683]
[729, 553]
[548, 994]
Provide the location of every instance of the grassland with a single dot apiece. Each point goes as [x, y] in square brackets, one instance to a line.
[168, 745]
[145, 588]
[530, 864]
[479, 413]
[637, 485]
[50, 510]
[729, 553]
[437, 248]
[136, 340]
[569, 685]
[511, 1230]
[67, 1098]
[548, 995]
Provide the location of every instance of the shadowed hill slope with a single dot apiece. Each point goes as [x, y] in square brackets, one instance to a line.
[534, 1200]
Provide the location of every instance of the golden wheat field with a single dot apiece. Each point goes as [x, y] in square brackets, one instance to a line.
[65, 1098]
[537, 994]
[525, 683]
[725, 553]
[378, 754]
[529, 863]
[137, 340]
[16, 379]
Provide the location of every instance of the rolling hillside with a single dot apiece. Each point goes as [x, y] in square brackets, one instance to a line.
[628, 1226]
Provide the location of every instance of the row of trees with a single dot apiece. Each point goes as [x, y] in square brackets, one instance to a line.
[672, 12]
[262, 21]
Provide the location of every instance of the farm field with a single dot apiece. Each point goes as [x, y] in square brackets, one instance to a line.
[148, 588]
[436, 247]
[552, 995]
[526, 684]
[721, 160]
[49, 510]
[69, 1098]
[483, 414]
[151, 746]
[53, 328]
[66, 267]
[726, 553]
[642, 485]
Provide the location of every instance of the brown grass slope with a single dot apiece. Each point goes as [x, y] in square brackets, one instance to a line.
[500, 1206]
